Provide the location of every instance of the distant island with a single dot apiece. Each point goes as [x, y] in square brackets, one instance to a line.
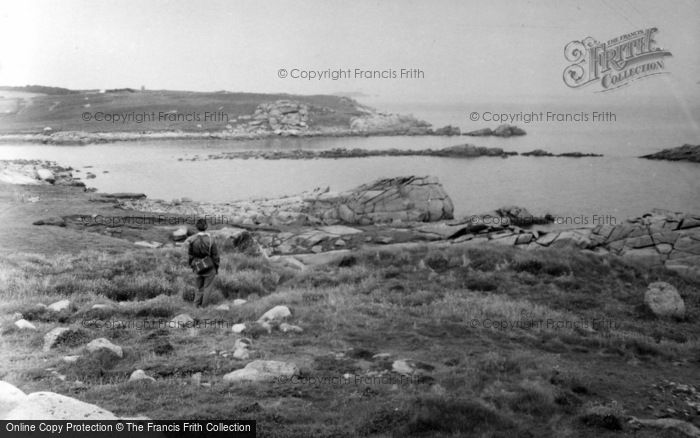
[686, 152]
[55, 115]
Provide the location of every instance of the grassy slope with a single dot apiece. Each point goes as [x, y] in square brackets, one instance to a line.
[413, 304]
[63, 111]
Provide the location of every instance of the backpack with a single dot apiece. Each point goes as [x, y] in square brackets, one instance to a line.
[200, 265]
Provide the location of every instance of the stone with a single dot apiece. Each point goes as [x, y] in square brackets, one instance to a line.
[664, 300]
[59, 306]
[276, 313]
[183, 321]
[223, 307]
[339, 243]
[572, 239]
[104, 344]
[70, 359]
[238, 328]
[339, 230]
[317, 249]
[284, 328]
[242, 241]
[664, 248]
[547, 239]
[241, 353]
[403, 366]
[239, 302]
[23, 324]
[147, 244]
[10, 397]
[262, 370]
[49, 406]
[140, 375]
[524, 239]
[180, 234]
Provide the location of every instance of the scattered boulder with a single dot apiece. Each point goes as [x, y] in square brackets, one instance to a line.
[239, 302]
[262, 370]
[59, 306]
[180, 234]
[23, 324]
[104, 344]
[276, 313]
[284, 328]
[223, 307]
[238, 328]
[140, 375]
[664, 300]
[46, 175]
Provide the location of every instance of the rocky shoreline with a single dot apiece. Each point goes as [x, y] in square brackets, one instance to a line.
[686, 152]
[324, 226]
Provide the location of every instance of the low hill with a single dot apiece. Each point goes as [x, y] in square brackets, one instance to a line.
[31, 109]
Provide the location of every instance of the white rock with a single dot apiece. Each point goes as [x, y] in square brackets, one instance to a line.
[276, 313]
[664, 300]
[70, 359]
[51, 406]
[23, 324]
[239, 302]
[45, 175]
[284, 328]
[238, 328]
[381, 356]
[10, 397]
[262, 370]
[102, 343]
[182, 320]
[403, 366]
[241, 353]
[223, 307]
[59, 305]
[101, 306]
[140, 375]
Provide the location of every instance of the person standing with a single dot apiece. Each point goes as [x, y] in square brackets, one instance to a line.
[204, 261]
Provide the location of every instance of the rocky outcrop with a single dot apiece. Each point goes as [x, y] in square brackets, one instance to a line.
[686, 152]
[281, 115]
[403, 199]
[33, 172]
[658, 238]
[395, 124]
[501, 131]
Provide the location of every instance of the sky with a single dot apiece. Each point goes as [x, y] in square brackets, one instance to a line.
[478, 50]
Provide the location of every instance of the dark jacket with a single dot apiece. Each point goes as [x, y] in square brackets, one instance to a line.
[199, 248]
